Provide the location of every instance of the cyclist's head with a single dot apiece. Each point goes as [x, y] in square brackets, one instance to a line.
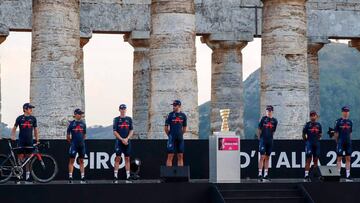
[78, 114]
[27, 108]
[269, 110]
[122, 109]
[313, 116]
[345, 111]
[176, 105]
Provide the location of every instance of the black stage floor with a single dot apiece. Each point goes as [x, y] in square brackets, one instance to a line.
[278, 190]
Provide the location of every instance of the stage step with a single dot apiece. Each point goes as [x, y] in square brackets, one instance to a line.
[261, 192]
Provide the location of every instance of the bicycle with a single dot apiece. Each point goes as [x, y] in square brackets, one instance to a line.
[43, 167]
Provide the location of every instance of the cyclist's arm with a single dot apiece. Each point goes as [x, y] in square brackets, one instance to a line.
[184, 127]
[130, 134]
[117, 135]
[258, 133]
[68, 138]
[36, 130]
[13, 132]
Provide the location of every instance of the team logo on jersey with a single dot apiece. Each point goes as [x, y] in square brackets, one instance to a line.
[124, 124]
[78, 129]
[177, 120]
[314, 129]
[268, 125]
[345, 126]
[26, 124]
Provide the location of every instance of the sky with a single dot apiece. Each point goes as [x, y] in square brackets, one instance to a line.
[107, 63]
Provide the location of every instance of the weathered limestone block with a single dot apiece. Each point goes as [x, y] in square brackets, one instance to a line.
[56, 80]
[284, 73]
[141, 82]
[226, 83]
[172, 63]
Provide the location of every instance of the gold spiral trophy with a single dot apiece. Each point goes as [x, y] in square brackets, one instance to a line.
[224, 113]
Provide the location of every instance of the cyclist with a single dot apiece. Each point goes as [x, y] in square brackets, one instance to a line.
[27, 126]
[76, 135]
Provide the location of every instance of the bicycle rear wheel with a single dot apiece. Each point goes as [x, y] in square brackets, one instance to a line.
[44, 170]
[6, 165]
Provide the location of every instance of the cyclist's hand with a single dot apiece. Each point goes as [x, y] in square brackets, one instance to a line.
[68, 139]
[37, 142]
[12, 138]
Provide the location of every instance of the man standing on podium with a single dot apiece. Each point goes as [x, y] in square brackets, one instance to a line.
[266, 130]
[312, 133]
[175, 127]
[343, 132]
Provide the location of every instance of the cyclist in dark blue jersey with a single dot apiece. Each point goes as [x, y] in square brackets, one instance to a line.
[312, 133]
[123, 131]
[343, 131]
[266, 129]
[76, 135]
[27, 128]
[175, 127]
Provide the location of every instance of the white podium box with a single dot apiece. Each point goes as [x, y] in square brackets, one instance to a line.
[224, 157]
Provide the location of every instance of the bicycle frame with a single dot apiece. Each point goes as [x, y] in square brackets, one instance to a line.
[27, 158]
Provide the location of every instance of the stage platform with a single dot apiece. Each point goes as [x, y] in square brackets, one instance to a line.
[197, 191]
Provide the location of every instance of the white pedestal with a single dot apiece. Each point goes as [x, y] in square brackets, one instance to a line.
[224, 157]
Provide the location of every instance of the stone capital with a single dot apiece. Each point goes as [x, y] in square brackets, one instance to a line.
[223, 44]
[315, 43]
[355, 43]
[4, 32]
[138, 39]
[85, 36]
[314, 48]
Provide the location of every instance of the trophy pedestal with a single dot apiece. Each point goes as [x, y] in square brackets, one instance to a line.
[224, 157]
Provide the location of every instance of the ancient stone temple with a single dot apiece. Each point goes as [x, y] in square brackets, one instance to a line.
[162, 33]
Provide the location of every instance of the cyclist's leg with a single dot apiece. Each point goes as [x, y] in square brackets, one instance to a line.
[81, 152]
[127, 151]
[180, 151]
[118, 151]
[72, 155]
[170, 150]
[20, 152]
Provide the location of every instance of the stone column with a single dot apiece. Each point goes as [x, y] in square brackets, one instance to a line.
[141, 82]
[226, 83]
[284, 73]
[355, 43]
[85, 36]
[55, 84]
[4, 32]
[172, 63]
[314, 47]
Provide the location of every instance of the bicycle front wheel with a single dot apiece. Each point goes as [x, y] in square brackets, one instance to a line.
[45, 169]
[6, 165]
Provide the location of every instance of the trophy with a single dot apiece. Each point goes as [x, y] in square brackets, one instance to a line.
[224, 113]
